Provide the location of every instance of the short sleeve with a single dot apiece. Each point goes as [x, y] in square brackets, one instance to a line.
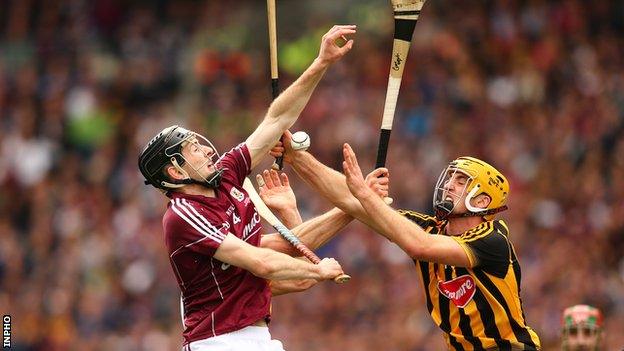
[195, 227]
[422, 220]
[487, 248]
[236, 163]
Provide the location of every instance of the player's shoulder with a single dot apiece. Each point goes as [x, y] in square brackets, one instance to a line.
[236, 164]
[493, 229]
[419, 218]
[188, 210]
[238, 152]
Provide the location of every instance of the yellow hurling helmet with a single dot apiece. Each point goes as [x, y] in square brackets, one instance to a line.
[482, 178]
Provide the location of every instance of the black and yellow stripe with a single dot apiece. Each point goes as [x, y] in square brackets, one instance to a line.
[493, 319]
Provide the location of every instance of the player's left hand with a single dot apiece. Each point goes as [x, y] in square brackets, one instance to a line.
[275, 191]
[277, 150]
[355, 179]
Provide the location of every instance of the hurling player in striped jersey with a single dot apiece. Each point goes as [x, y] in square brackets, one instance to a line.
[213, 232]
[463, 254]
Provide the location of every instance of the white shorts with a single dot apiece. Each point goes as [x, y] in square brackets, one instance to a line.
[250, 338]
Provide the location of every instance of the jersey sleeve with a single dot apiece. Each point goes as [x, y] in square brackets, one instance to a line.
[236, 163]
[487, 248]
[422, 220]
[194, 227]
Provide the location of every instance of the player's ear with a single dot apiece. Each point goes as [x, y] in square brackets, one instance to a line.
[482, 200]
[172, 172]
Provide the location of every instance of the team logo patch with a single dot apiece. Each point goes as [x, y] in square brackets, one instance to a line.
[237, 194]
[459, 290]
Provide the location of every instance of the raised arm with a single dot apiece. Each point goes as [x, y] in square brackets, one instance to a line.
[407, 235]
[285, 110]
[329, 183]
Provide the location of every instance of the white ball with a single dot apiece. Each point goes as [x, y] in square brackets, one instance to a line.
[300, 141]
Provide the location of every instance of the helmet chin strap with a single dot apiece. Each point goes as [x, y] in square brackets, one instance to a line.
[444, 209]
[477, 214]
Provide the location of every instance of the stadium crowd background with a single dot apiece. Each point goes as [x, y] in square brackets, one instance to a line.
[536, 87]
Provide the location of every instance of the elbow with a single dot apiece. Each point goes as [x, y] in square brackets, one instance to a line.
[416, 252]
[282, 120]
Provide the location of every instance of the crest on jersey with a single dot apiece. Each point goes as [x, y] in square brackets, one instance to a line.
[459, 290]
[237, 194]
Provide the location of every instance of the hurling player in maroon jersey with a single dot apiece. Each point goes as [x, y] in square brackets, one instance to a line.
[212, 230]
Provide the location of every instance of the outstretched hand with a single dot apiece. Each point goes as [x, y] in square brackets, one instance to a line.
[330, 51]
[354, 178]
[275, 191]
[378, 181]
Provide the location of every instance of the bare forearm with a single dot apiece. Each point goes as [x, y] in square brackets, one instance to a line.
[313, 233]
[330, 184]
[284, 111]
[318, 231]
[278, 266]
[290, 217]
[288, 105]
[413, 239]
[282, 287]
[408, 236]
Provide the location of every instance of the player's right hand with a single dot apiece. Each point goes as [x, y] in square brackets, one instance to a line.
[330, 268]
[283, 148]
[330, 51]
[353, 174]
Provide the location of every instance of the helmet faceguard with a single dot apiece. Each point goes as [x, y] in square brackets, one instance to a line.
[471, 177]
[582, 328]
[165, 149]
[444, 200]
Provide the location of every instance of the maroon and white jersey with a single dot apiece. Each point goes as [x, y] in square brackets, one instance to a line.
[217, 298]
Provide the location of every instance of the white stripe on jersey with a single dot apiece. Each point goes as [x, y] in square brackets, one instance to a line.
[242, 155]
[182, 311]
[237, 147]
[212, 227]
[175, 266]
[195, 223]
[199, 219]
[252, 234]
[215, 277]
[213, 329]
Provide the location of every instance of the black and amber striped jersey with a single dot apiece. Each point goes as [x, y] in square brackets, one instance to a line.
[478, 308]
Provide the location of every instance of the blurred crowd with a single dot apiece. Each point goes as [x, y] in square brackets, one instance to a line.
[534, 87]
